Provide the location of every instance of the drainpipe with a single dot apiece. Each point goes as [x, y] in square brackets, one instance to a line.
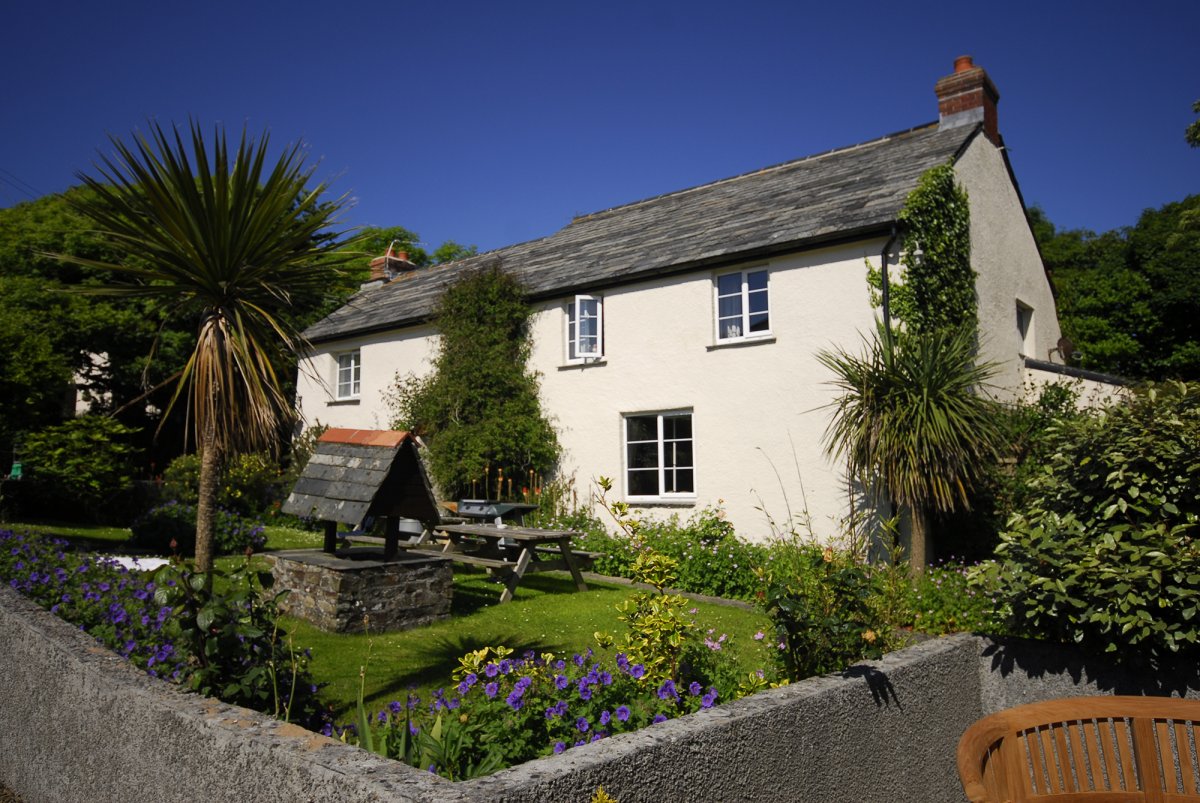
[887, 306]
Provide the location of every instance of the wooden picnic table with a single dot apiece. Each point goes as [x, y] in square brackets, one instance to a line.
[510, 550]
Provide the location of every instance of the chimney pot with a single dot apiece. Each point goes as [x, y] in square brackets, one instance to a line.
[963, 63]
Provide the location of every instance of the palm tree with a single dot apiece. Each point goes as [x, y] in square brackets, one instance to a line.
[910, 422]
[230, 242]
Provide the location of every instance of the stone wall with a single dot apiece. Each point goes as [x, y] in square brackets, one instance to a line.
[357, 590]
[82, 724]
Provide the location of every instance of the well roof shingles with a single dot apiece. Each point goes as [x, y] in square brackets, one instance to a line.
[787, 206]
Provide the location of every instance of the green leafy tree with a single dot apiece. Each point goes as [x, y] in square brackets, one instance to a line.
[1192, 135]
[479, 408]
[229, 241]
[909, 422]
[1127, 298]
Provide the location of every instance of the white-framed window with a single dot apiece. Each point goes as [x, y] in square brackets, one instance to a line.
[349, 375]
[659, 456]
[743, 305]
[585, 328]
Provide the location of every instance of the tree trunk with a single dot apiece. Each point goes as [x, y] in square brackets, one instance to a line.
[918, 556]
[206, 503]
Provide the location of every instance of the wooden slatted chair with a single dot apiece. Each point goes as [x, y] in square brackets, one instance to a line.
[1085, 749]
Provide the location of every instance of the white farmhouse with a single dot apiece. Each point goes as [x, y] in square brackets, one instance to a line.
[676, 337]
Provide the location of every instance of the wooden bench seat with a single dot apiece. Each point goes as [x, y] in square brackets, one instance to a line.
[1085, 749]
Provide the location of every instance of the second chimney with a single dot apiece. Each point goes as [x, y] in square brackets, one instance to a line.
[966, 97]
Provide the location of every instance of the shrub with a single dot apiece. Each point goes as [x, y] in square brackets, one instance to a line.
[174, 523]
[87, 460]
[1107, 556]
[826, 611]
[251, 484]
[710, 557]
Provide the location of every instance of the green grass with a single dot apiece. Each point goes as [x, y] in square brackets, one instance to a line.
[547, 615]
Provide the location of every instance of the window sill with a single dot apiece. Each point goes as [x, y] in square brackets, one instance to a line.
[683, 501]
[741, 341]
[341, 402]
[579, 365]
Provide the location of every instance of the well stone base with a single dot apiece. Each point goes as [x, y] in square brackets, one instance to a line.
[337, 592]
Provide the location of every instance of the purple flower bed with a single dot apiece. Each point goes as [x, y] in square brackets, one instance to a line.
[119, 607]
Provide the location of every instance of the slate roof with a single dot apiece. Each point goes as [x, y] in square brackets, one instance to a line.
[835, 195]
[355, 473]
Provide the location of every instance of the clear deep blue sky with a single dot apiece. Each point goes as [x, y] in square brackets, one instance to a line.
[491, 123]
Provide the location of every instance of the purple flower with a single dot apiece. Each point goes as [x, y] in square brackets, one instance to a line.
[582, 724]
[491, 670]
[585, 691]
[637, 671]
[667, 690]
[505, 666]
[694, 689]
[622, 662]
[561, 681]
[623, 713]
[606, 678]
[605, 717]
[514, 699]
[394, 706]
[659, 718]
[491, 689]
[382, 717]
[578, 659]
[559, 747]
[709, 699]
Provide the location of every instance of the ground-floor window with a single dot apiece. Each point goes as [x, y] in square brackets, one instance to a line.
[658, 455]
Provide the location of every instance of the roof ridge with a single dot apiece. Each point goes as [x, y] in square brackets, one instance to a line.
[757, 171]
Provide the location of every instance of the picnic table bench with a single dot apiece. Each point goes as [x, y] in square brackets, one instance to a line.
[509, 551]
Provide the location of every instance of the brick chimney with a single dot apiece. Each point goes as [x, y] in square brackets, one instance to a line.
[966, 97]
[388, 266]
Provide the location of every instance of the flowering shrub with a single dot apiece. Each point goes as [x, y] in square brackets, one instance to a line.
[944, 600]
[216, 635]
[506, 710]
[711, 559]
[157, 528]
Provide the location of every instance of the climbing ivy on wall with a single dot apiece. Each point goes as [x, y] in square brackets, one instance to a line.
[479, 410]
[937, 290]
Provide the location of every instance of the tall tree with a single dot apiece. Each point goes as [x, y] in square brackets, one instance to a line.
[1127, 298]
[231, 241]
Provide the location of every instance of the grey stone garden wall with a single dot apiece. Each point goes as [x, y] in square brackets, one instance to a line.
[80, 724]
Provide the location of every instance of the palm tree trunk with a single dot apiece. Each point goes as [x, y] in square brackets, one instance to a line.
[206, 503]
[918, 556]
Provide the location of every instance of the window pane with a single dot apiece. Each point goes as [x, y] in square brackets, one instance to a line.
[643, 482]
[643, 455]
[677, 426]
[642, 428]
[756, 280]
[680, 481]
[759, 323]
[729, 284]
[679, 455]
[758, 301]
[729, 307]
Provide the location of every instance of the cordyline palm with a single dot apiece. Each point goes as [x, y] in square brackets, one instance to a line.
[228, 240]
[910, 421]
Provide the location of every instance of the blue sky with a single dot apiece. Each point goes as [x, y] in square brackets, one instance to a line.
[492, 123]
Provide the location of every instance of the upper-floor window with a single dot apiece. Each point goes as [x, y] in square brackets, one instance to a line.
[658, 456]
[349, 375]
[742, 305]
[585, 329]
